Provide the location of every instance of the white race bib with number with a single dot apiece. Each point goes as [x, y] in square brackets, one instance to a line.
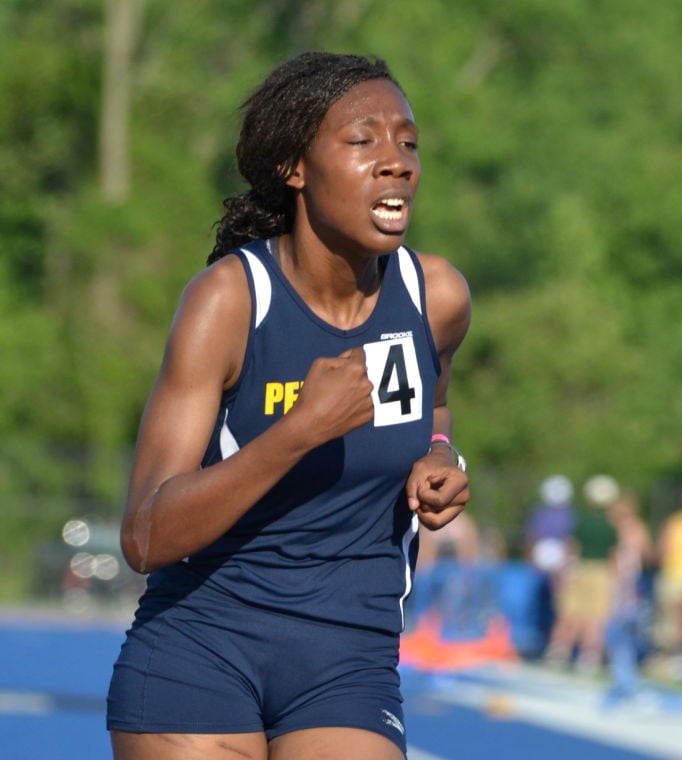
[393, 371]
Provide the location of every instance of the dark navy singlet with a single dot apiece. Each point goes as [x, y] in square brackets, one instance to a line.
[334, 540]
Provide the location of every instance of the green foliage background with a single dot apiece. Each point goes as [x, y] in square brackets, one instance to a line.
[552, 156]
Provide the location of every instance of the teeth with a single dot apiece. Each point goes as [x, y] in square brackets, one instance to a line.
[386, 214]
[389, 208]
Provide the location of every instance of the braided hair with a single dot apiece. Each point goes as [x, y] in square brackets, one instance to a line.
[280, 119]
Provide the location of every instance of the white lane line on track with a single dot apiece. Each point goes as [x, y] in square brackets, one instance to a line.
[656, 735]
[417, 754]
[25, 703]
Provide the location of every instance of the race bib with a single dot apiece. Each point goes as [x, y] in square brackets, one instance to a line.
[392, 368]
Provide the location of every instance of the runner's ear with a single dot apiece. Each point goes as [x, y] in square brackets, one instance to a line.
[296, 177]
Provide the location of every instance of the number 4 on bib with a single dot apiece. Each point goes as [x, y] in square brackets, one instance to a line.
[392, 368]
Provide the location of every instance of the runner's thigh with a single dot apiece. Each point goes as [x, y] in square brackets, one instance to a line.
[129, 746]
[334, 744]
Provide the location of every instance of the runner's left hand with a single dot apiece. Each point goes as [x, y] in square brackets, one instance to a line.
[437, 490]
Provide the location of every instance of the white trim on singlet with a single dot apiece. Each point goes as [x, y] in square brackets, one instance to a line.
[410, 277]
[408, 271]
[410, 533]
[228, 443]
[263, 293]
[261, 285]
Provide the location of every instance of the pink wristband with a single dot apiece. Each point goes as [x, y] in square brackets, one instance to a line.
[442, 440]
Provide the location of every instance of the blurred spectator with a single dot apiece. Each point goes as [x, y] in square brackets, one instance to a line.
[492, 544]
[548, 546]
[550, 527]
[471, 592]
[583, 599]
[630, 614]
[443, 581]
[668, 592]
[459, 539]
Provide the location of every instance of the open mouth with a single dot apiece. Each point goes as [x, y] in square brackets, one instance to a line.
[390, 209]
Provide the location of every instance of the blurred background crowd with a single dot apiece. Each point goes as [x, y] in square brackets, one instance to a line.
[593, 588]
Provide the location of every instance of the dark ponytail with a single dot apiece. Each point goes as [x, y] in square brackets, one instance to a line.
[250, 216]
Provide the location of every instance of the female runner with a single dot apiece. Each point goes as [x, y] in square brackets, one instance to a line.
[295, 436]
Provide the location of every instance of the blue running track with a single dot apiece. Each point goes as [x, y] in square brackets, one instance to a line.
[54, 676]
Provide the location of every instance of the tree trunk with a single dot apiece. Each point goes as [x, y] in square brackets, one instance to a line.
[122, 22]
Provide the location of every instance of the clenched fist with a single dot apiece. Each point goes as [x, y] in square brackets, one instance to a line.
[336, 395]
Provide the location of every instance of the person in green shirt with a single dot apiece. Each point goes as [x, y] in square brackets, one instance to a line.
[583, 600]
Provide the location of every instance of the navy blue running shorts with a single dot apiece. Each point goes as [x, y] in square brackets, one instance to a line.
[183, 670]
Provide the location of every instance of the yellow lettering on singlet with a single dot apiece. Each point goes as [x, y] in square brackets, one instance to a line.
[274, 393]
[290, 394]
[281, 393]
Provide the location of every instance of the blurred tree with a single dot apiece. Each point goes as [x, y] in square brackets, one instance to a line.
[550, 147]
[121, 30]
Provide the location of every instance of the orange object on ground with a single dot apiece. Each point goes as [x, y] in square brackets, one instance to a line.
[426, 649]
